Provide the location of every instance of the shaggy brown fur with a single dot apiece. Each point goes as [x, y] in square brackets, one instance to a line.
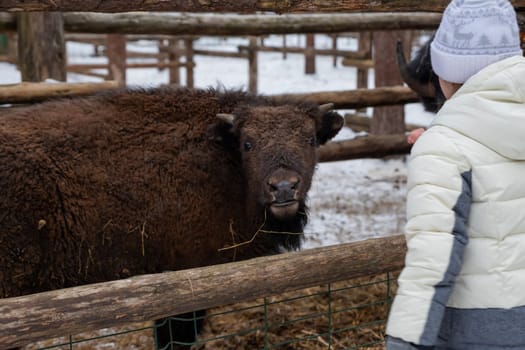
[142, 181]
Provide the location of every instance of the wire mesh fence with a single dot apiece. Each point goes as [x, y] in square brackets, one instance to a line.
[341, 315]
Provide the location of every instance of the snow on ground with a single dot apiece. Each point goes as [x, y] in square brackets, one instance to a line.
[349, 200]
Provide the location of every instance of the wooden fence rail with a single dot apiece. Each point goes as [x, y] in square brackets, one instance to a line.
[34, 92]
[46, 315]
[359, 98]
[228, 25]
[232, 25]
[239, 6]
[361, 122]
[370, 146]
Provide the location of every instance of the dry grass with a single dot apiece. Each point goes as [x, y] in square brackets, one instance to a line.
[302, 319]
[354, 310]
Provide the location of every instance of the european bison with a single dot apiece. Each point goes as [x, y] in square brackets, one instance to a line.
[420, 77]
[142, 181]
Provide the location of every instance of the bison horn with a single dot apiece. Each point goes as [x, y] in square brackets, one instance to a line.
[423, 90]
[225, 117]
[327, 107]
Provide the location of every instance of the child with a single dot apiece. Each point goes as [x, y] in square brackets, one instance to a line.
[463, 285]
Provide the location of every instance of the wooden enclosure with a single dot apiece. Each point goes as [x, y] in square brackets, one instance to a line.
[141, 298]
[44, 315]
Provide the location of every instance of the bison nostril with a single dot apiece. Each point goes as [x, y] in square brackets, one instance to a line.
[283, 186]
[294, 183]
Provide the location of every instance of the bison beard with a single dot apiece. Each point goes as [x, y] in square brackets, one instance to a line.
[180, 331]
[143, 181]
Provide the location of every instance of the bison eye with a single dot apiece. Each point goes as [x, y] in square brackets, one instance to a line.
[312, 141]
[247, 146]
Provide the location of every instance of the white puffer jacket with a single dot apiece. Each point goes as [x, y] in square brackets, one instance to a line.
[463, 285]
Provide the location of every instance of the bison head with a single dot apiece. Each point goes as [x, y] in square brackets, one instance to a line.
[276, 144]
[420, 77]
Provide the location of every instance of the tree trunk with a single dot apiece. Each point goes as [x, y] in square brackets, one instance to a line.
[41, 48]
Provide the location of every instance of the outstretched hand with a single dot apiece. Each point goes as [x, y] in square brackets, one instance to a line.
[414, 135]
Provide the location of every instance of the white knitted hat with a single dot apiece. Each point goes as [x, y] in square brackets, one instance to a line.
[472, 35]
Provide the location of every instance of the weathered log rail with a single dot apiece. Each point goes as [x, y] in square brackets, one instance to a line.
[232, 25]
[358, 55]
[68, 311]
[34, 92]
[361, 122]
[359, 98]
[239, 6]
[370, 146]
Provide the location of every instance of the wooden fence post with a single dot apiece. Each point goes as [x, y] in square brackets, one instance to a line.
[364, 45]
[116, 52]
[334, 47]
[284, 46]
[174, 57]
[388, 119]
[41, 48]
[309, 54]
[12, 48]
[252, 63]
[190, 62]
[161, 47]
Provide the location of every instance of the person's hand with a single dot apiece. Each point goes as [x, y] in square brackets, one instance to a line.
[414, 135]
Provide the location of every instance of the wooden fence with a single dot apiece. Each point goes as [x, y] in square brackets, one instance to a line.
[169, 57]
[235, 25]
[46, 315]
[29, 318]
[235, 6]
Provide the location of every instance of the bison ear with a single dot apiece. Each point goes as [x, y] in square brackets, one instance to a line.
[331, 123]
[223, 131]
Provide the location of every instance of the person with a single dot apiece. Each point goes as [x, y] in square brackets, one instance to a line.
[463, 284]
